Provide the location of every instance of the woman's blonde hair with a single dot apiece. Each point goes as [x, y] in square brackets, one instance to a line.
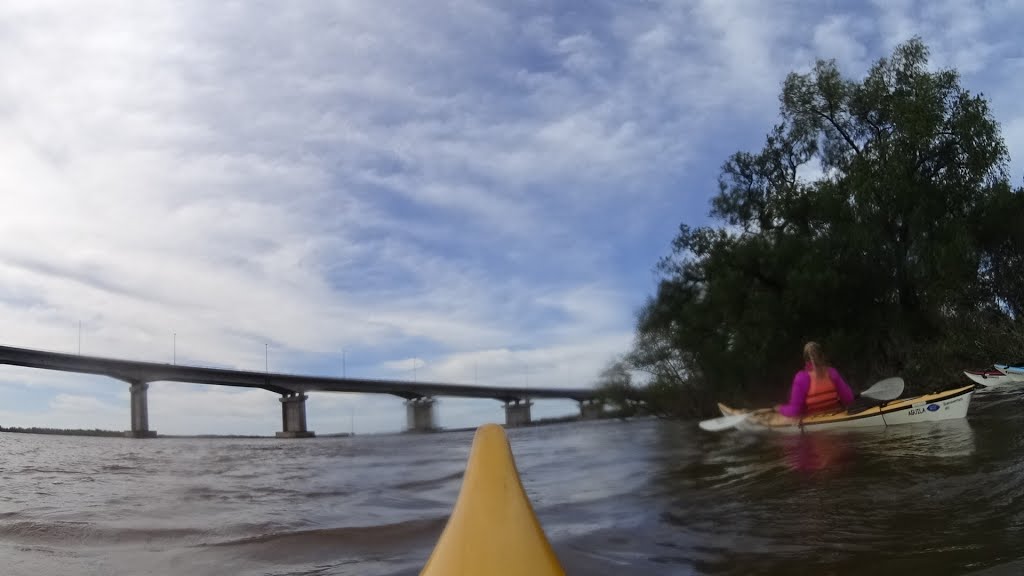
[814, 355]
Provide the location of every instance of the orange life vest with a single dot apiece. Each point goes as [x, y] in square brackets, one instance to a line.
[822, 395]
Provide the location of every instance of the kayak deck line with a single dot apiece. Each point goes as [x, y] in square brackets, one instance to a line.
[944, 405]
[492, 529]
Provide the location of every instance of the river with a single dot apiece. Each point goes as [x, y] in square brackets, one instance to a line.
[643, 497]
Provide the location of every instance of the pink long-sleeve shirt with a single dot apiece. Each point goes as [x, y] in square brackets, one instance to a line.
[802, 383]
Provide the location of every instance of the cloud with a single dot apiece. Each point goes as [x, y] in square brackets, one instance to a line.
[71, 404]
[68, 411]
[842, 37]
[482, 186]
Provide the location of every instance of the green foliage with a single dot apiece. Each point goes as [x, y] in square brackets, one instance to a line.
[877, 219]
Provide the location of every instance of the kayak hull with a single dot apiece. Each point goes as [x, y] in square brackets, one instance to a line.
[989, 378]
[492, 528]
[1012, 373]
[946, 405]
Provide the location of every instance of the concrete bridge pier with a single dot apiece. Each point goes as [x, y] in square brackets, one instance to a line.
[419, 414]
[140, 411]
[517, 413]
[293, 416]
[591, 409]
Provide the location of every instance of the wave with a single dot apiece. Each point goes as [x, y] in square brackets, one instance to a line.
[326, 494]
[382, 537]
[349, 534]
[229, 494]
[34, 470]
[430, 482]
[264, 536]
[85, 533]
[118, 468]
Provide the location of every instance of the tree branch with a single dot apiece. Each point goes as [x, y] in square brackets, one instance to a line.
[831, 120]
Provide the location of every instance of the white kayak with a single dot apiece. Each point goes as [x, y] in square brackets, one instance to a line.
[993, 378]
[946, 405]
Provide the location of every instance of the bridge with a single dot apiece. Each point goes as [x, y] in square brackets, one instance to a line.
[419, 396]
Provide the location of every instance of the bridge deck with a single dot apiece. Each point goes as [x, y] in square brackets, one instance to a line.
[135, 371]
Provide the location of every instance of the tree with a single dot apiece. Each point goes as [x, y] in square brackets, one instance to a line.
[877, 218]
[615, 387]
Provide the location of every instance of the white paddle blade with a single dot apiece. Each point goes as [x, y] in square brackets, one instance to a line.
[722, 423]
[888, 389]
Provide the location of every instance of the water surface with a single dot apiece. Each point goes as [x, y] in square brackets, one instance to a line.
[642, 497]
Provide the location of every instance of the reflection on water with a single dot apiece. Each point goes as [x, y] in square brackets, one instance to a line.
[816, 451]
[834, 451]
[949, 439]
[647, 497]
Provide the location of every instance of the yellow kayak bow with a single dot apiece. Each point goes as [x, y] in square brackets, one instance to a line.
[492, 529]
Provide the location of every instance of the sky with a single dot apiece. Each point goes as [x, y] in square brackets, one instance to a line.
[463, 191]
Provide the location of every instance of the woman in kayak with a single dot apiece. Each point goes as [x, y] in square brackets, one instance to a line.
[817, 388]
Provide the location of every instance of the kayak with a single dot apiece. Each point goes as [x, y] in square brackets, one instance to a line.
[991, 377]
[1015, 372]
[945, 405]
[492, 528]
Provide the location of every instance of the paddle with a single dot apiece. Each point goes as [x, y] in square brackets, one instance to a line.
[883, 390]
[723, 422]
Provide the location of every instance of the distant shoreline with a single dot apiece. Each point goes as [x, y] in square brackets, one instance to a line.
[63, 431]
